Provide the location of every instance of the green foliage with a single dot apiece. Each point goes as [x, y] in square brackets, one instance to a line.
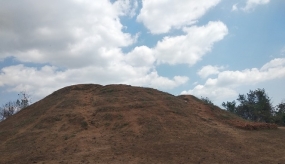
[255, 106]
[206, 100]
[230, 106]
[280, 113]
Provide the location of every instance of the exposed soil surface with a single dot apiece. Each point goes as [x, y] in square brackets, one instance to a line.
[124, 124]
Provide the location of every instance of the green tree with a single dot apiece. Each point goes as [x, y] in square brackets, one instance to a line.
[230, 106]
[255, 105]
[280, 113]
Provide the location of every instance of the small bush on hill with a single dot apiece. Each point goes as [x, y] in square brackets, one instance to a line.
[206, 100]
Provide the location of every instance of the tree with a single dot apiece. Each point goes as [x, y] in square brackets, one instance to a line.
[230, 106]
[206, 100]
[255, 105]
[24, 100]
[280, 113]
[13, 107]
[7, 110]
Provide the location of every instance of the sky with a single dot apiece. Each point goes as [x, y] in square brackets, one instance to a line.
[210, 48]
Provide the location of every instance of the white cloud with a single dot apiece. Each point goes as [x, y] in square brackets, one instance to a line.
[66, 33]
[277, 63]
[140, 56]
[42, 81]
[234, 7]
[213, 93]
[80, 41]
[209, 70]
[192, 46]
[251, 4]
[226, 82]
[20, 78]
[127, 7]
[154, 80]
[135, 68]
[160, 16]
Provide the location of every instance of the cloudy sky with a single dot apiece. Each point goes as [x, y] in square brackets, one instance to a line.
[209, 48]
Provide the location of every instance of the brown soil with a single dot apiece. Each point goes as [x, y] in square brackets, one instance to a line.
[124, 124]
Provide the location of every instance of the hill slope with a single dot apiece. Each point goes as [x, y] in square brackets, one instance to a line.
[124, 124]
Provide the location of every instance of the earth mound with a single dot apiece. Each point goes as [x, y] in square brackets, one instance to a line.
[91, 123]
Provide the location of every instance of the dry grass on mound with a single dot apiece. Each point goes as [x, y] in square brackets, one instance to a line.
[125, 124]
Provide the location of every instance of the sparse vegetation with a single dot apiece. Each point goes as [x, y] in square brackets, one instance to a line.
[108, 117]
[84, 124]
[206, 100]
[119, 125]
[12, 107]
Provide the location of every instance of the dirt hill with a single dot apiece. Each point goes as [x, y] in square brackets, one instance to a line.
[124, 124]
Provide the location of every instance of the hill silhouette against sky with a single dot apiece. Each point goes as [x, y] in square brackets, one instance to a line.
[91, 123]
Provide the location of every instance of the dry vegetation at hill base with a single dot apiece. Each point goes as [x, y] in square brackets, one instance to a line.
[124, 124]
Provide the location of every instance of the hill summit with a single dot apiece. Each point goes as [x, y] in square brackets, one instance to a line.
[91, 123]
